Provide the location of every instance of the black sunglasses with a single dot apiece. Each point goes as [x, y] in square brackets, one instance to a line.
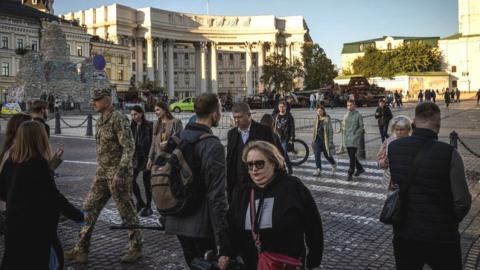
[259, 164]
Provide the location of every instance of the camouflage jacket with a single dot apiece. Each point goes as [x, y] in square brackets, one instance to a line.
[115, 145]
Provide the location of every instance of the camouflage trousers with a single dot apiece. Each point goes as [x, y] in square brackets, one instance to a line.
[100, 192]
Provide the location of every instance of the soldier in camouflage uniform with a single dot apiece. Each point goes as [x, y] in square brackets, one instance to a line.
[115, 147]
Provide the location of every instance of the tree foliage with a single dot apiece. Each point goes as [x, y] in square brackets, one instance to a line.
[411, 57]
[319, 69]
[279, 73]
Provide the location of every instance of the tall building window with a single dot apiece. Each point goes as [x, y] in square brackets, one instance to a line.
[68, 49]
[79, 51]
[120, 61]
[186, 60]
[220, 59]
[5, 69]
[232, 78]
[133, 42]
[133, 55]
[19, 43]
[454, 68]
[144, 67]
[35, 45]
[120, 75]
[175, 79]
[144, 44]
[5, 42]
[187, 79]
[134, 67]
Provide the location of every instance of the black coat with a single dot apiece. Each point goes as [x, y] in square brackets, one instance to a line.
[295, 222]
[258, 132]
[383, 115]
[33, 207]
[142, 143]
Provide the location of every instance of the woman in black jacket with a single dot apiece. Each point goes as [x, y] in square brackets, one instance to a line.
[288, 217]
[142, 131]
[33, 202]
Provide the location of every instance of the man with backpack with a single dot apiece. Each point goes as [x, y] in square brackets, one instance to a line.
[201, 225]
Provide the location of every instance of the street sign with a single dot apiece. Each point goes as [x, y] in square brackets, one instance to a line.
[99, 62]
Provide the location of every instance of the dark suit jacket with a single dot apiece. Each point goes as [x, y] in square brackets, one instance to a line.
[257, 132]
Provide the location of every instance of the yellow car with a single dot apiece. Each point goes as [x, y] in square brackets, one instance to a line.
[11, 108]
[183, 105]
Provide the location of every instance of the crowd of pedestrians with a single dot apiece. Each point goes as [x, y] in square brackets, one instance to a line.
[250, 206]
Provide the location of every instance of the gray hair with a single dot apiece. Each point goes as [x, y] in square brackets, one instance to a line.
[402, 121]
[241, 107]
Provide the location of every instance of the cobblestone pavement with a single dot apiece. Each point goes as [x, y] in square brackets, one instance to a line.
[354, 238]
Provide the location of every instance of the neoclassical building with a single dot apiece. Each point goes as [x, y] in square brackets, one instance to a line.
[462, 50]
[189, 53]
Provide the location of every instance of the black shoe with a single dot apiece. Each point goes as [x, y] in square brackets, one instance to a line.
[350, 178]
[359, 172]
[146, 212]
[140, 207]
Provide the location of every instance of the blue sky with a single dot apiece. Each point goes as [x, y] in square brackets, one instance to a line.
[331, 22]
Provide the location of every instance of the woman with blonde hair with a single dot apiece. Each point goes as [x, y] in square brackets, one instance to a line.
[274, 215]
[28, 187]
[401, 126]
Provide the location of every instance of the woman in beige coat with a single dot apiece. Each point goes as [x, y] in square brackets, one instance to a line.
[166, 127]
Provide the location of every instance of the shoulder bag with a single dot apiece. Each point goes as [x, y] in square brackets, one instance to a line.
[268, 260]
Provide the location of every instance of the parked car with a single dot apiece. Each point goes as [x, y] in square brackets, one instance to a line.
[184, 105]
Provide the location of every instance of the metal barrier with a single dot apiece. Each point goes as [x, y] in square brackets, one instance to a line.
[454, 139]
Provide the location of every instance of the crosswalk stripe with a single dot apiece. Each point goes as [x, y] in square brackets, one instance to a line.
[348, 192]
[312, 164]
[339, 173]
[322, 180]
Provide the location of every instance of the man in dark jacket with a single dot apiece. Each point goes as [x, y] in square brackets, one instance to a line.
[436, 200]
[246, 130]
[40, 113]
[384, 115]
[285, 128]
[206, 228]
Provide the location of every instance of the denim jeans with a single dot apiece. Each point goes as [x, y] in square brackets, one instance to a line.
[383, 132]
[284, 144]
[318, 148]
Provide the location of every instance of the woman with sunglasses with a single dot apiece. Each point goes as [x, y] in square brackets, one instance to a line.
[279, 208]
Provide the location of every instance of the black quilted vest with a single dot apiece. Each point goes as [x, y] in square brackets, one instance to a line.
[429, 214]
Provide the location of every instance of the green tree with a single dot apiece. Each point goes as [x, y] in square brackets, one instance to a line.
[411, 57]
[279, 73]
[319, 69]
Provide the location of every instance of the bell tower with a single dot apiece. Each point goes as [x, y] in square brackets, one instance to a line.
[469, 17]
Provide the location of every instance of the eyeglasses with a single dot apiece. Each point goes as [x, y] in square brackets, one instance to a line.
[259, 164]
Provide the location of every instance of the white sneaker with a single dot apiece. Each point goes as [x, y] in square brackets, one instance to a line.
[334, 168]
[317, 172]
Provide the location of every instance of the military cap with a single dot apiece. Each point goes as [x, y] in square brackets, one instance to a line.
[99, 93]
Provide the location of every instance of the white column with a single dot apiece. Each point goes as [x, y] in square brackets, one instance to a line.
[139, 59]
[213, 67]
[261, 59]
[248, 70]
[150, 68]
[203, 68]
[198, 79]
[170, 67]
[160, 67]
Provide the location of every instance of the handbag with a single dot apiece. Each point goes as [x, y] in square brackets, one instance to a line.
[268, 260]
[392, 210]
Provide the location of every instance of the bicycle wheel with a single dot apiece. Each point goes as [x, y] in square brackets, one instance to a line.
[298, 154]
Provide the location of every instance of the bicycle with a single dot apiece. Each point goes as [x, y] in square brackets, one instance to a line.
[298, 152]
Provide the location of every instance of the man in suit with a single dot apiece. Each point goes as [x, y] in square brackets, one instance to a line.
[246, 130]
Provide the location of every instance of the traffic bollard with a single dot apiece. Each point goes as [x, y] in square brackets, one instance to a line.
[89, 125]
[361, 151]
[57, 123]
[454, 139]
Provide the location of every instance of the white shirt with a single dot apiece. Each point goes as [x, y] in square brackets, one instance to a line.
[245, 134]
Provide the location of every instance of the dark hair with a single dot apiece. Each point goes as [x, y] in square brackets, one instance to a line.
[351, 101]
[427, 111]
[241, 107]
[320, 106]
[139, 109]
[162, 105]
[38, 105]
[205, 104]
[283, 102]
[12, 127]
[267, 119]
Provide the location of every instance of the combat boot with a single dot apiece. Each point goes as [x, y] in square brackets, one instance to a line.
[76, 256]
[132, 255]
